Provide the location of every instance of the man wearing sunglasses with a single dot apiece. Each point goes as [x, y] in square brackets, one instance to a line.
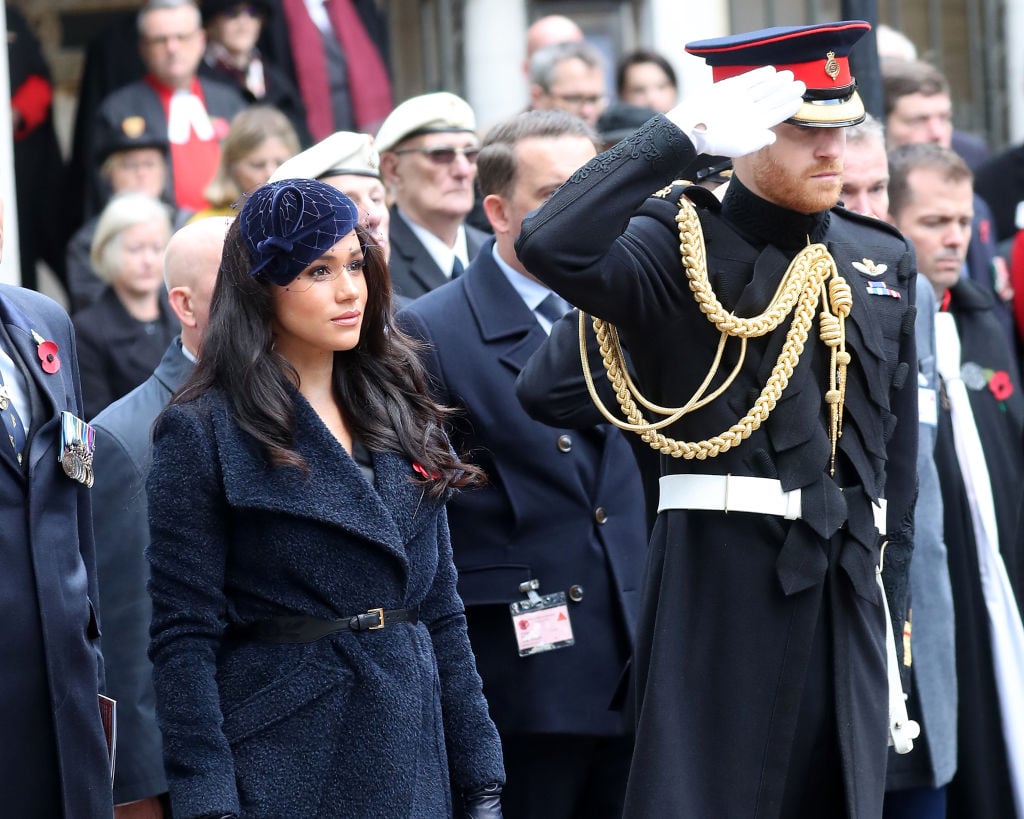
[428, 148]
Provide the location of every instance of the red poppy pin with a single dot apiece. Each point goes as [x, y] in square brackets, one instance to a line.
[47, 352]
[1000, 385]
[418, 468]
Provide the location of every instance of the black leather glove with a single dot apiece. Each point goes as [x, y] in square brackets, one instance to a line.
[483, 803]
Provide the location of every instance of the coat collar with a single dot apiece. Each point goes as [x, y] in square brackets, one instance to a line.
[420, 264]
[333, 490]
[173, 368]
[54, 390]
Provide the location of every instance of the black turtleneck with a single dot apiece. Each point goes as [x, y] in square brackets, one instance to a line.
[763, 223]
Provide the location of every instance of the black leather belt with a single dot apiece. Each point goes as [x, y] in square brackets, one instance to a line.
[303, 629]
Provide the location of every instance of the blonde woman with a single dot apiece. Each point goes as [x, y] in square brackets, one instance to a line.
[259, 140]
[123, 335]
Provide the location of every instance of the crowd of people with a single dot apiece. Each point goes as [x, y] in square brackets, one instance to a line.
[643, 454]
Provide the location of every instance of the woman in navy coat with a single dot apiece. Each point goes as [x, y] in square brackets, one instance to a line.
[309, 647]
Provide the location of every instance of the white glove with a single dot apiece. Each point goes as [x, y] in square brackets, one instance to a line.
[735, 116]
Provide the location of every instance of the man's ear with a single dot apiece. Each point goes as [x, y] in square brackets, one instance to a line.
[496, 212]
[389, 169]
[180, 299]
[536, 92]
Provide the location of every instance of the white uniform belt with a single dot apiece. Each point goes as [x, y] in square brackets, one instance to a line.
[738, 493]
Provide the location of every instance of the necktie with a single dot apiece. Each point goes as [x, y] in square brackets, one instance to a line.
[1005, 628]
[12, 423]
[457, 268]
[553, 307]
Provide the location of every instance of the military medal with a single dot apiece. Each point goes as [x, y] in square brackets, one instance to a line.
[77, 444]
[5, 398]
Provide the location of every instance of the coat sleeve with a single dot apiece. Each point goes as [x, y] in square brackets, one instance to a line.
[474, 749]
[187, 555]
[587, 243]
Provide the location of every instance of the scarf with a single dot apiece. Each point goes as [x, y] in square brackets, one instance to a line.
[369, 84]
[1005, 628]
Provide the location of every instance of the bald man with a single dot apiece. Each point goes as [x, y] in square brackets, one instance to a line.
[121, 524]
[549, 30]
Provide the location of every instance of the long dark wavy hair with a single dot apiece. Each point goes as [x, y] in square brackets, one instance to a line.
[380, 384]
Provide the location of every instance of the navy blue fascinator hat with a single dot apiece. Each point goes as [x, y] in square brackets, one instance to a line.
[287, 225]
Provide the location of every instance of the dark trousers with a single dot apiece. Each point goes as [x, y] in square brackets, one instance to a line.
[562, 776]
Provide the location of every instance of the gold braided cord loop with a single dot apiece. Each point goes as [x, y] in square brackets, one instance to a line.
[800, 291]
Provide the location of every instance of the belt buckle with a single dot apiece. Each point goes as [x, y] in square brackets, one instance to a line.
[380, 616]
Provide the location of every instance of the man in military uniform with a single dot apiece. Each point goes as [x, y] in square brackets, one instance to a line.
[788, 454]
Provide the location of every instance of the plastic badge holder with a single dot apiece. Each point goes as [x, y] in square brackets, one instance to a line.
[541, 622]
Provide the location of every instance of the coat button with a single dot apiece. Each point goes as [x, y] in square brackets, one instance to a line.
[576, 593]
[564, 443]
[600, 515]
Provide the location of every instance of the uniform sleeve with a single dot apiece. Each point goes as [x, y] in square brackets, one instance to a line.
[474, 749]
[587, 244]
[187, 555]
[901, 471]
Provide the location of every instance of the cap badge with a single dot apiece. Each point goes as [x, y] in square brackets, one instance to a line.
[831, 65]
[133, 127]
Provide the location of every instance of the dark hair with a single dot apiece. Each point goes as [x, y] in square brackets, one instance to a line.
[496, 165]
[640, 57]
[900, 78]
[909, 158]
[380, 384]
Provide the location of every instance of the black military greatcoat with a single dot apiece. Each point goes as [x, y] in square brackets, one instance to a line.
[760, 660]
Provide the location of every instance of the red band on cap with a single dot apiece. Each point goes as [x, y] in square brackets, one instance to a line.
[813, 73]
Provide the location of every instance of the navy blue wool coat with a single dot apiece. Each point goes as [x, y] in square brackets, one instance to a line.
[358, 724]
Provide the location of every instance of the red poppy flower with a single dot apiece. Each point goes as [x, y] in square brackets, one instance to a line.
[1000, 384]
[48, 357]
[420, 469]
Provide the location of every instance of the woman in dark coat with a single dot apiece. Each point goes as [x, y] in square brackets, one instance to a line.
[123, 334]
[309, 647]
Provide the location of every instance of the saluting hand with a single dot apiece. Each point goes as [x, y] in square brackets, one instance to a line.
[735, 116]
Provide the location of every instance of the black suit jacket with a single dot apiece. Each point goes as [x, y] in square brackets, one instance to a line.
[562, 506]
[413, 270]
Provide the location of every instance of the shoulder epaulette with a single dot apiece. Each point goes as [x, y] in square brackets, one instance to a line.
[864, 219]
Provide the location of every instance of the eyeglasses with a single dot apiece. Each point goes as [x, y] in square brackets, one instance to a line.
[443, 154]
[314, 275]
[579, 100]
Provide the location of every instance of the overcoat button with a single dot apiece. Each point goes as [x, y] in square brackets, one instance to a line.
[600, 515]
[576, 593]
[564, 443]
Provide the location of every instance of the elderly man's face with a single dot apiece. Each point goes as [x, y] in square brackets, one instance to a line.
[801, 171]
[866, 178]
[430, 182]
[171, 43]
[577, 88]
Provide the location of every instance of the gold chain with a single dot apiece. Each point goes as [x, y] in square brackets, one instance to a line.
[799, 292]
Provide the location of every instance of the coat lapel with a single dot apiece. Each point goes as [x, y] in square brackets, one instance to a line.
[420, 265]
[505, 322]
[333, 491]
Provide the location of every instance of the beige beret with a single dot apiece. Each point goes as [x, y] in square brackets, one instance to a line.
[425, 114]
[342, 152]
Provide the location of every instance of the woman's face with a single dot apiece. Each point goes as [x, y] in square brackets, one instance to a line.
[256, 167]
[140, 259]
[237, 29]
[368, 194]
[646, 85]
[321, 311]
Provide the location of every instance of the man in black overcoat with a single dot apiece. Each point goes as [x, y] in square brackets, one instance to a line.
[763, 659]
